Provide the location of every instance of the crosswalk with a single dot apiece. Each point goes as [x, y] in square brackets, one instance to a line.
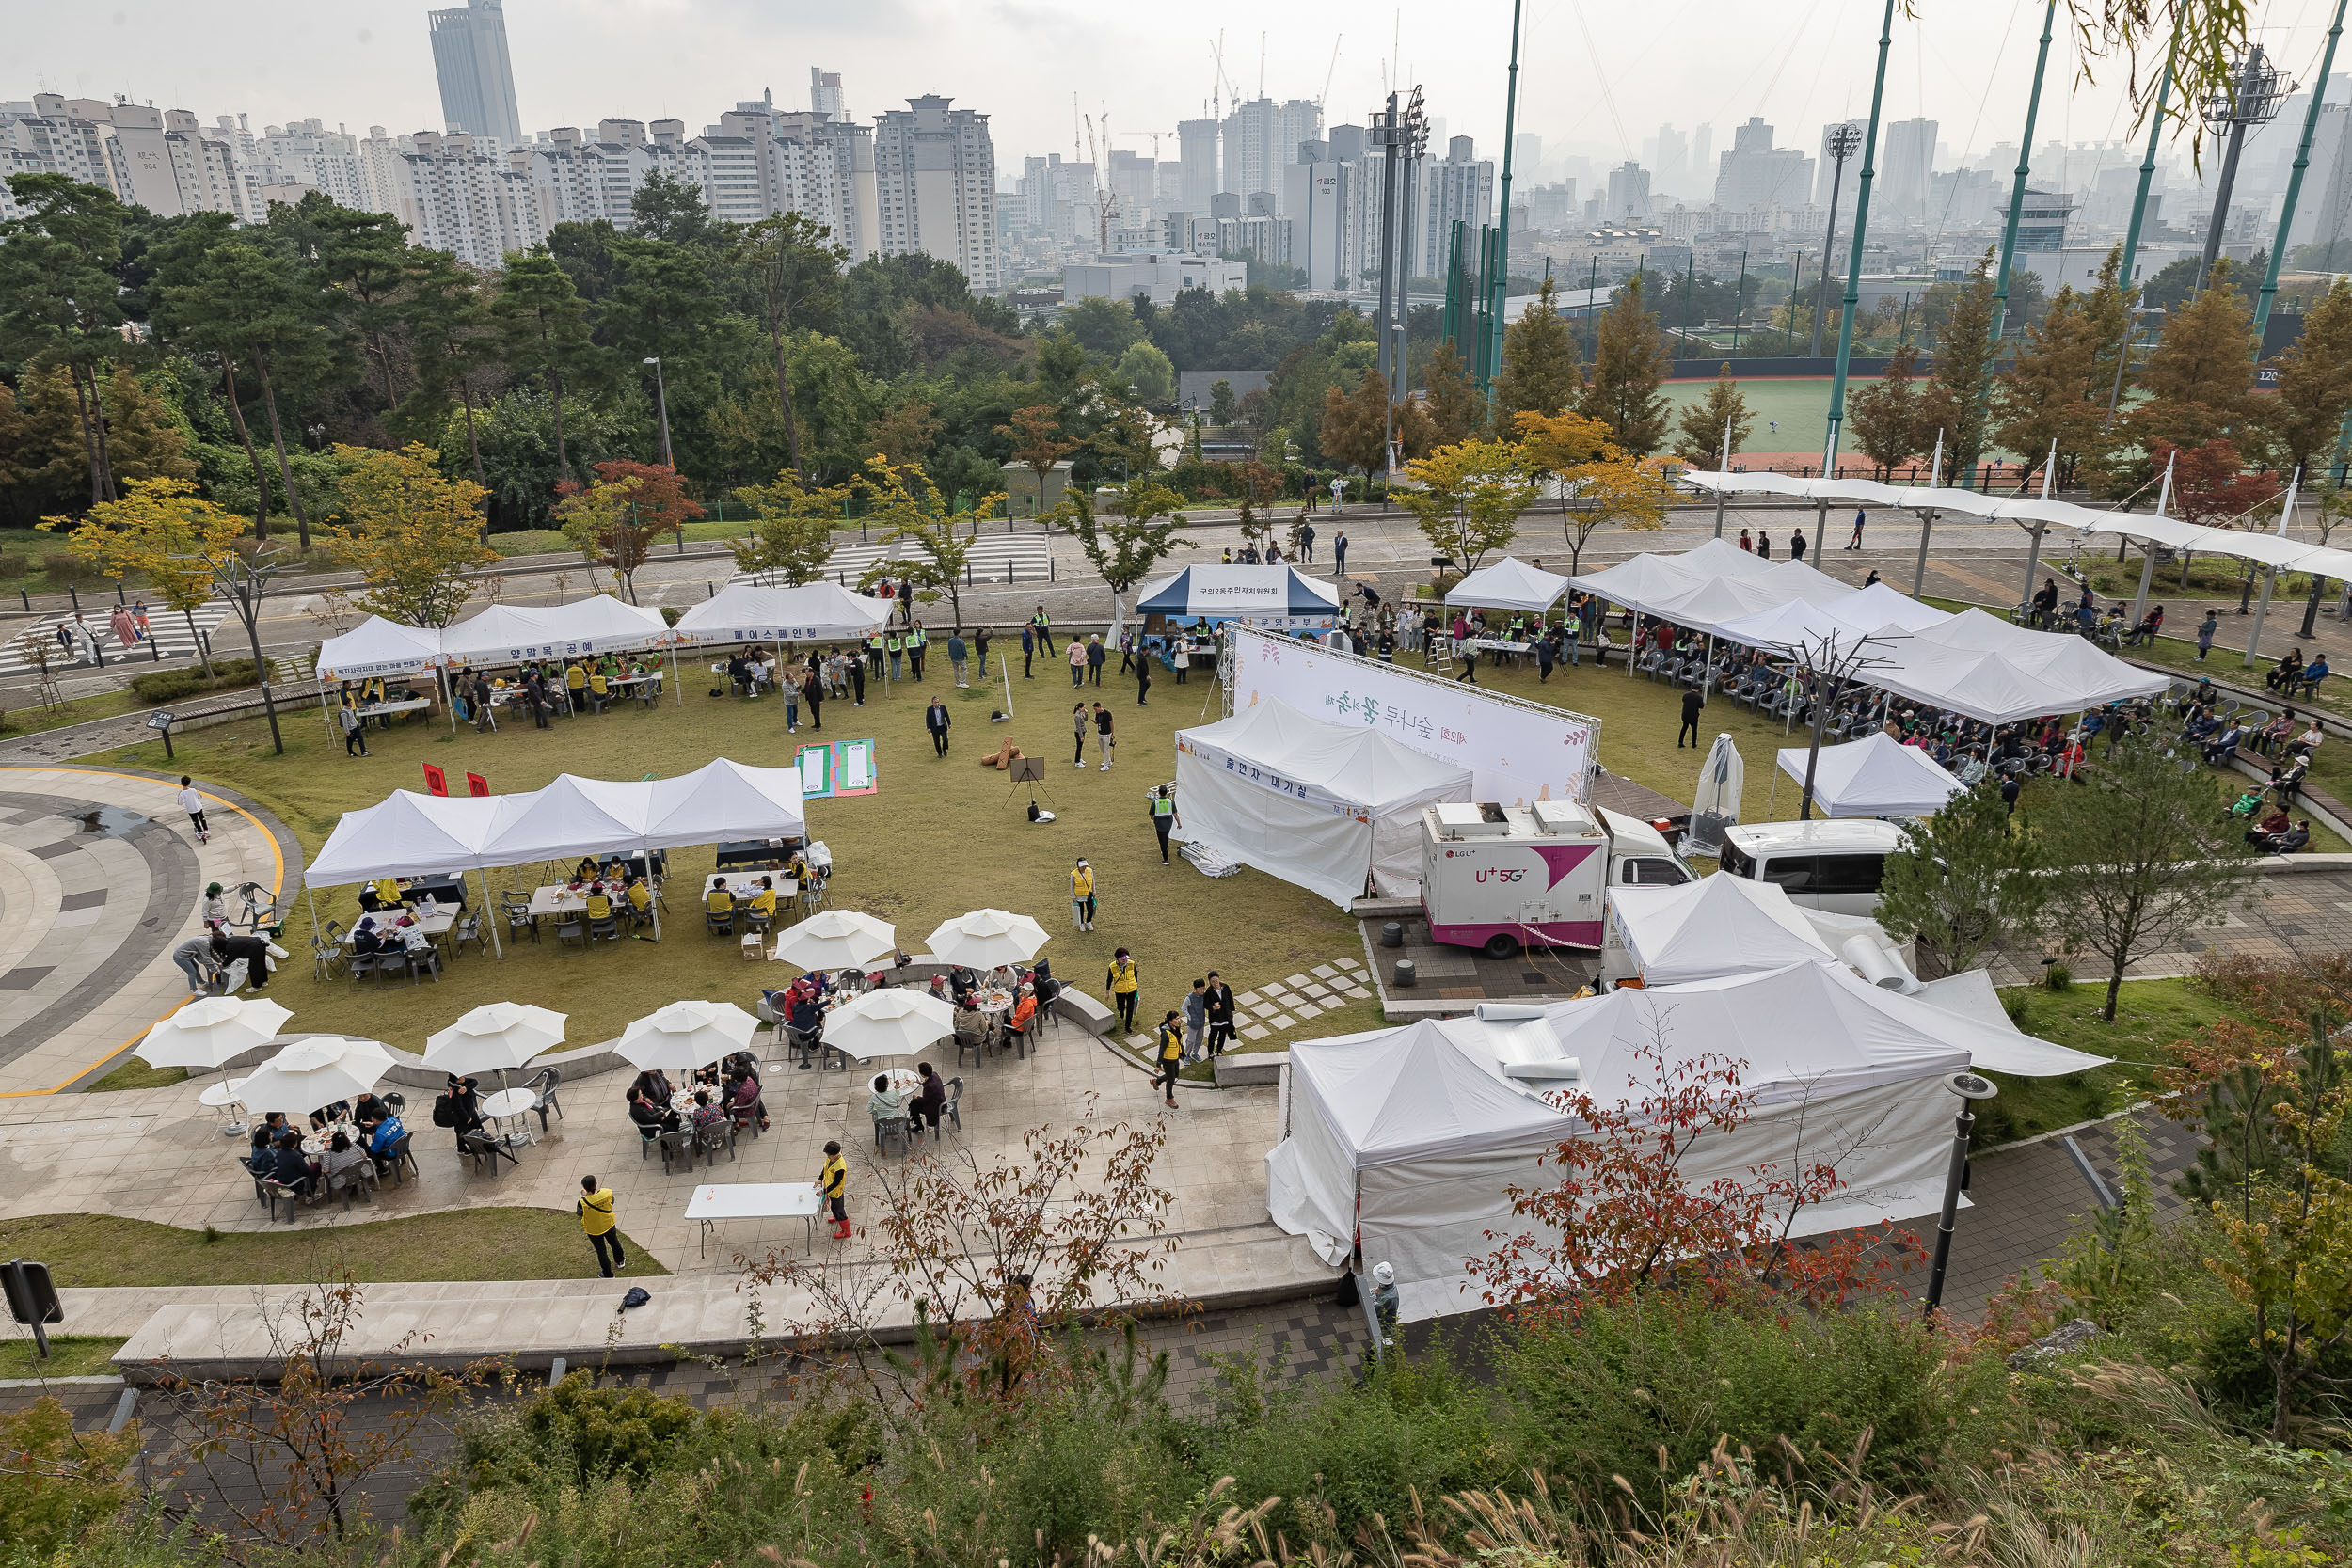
[169, 633]
[997, 558]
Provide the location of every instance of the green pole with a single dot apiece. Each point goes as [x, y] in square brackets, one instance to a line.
[2017, 191]
[1854, 263]
[2294, 183]
[1499, 284]
[2147, 176]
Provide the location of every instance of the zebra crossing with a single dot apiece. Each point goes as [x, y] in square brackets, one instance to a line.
[167, 630]
[993, 557]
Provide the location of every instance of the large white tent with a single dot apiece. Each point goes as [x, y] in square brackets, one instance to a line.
[1997, 672]
[1874, 776]
[1267, 596]
[508, 634]
[1324, 807]
[377, 647]
[1410, 1139]
[809, 612]
[1704, 930]
[1509, 584]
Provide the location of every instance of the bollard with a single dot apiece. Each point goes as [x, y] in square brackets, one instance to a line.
[71, 594]
[1050, 575]
[119, 598]
[26, 599]
[710, 589]
[1393, 935]
[1407, 977]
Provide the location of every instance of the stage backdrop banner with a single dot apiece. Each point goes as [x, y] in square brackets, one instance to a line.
[1516, 752]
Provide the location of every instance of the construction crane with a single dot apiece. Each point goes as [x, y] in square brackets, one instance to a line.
[1105, 203]
[1329, 72]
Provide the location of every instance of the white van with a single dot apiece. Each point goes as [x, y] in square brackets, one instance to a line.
[1832, 865]
[1639, 855]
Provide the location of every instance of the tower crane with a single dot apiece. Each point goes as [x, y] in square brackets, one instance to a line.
[1105, 203]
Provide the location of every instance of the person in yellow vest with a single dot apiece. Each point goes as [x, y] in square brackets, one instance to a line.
[388, 891]
[874, 656]
[576, 679]
[1162, 818]
[897, 644]
[1082, 895]
[599, 903]
[720, 902]
[832, 1185]
[603, 1226]
[1125, 982]
[599, 684]
[640, 897]
[1170, 1054]
[916, 642]
[764, 901]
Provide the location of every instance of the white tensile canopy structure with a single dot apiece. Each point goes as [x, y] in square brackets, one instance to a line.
[1412, 1137]
[809, 612]
[508, 634]
[1329, 807]
[1874, 776]
[1509, 584]
[377, 647]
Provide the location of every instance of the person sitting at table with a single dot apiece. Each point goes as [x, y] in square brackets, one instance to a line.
[638, 896]
[651, 1119]
[1023, 1013]
[344, 1160]
[961, 982]
[289, 1168]
[741, 1065]
[575, 683]
[599, 902]
[384, 1134]
[365, 937]
[720, 903]
[742, 1100]
[764, 899]
[885, 1102]
[706, 1112]
[599, 684]
[931, 1096]
[367, 1110]
[586, 871]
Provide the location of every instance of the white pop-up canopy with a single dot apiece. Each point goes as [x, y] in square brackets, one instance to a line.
[1998, 673]
[1263, 594]
[1326, 806]
[810, 612]
[378, 647]
[1510, 584]
[1707, 928]
[1412, 1137]
[508, 634]
[1874, 776]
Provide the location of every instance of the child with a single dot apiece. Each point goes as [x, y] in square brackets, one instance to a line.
[832, 1185]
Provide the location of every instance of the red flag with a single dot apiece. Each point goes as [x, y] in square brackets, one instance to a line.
[477, 784]
[434, 780]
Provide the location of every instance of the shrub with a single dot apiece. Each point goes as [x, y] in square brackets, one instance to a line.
[15, 564]
[2058, 978]
[607, 1430]
[2019, 1007]
[170, 686]
[62, 567]
[54, 1483]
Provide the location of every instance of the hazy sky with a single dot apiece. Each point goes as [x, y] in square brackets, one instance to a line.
[1596, 77]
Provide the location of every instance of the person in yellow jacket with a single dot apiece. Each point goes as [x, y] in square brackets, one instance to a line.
[1170, 1054]
[576, 680]
[1082, 895]
[603, 1226]
[1125, 982]
[764, 901]
[832, 1185]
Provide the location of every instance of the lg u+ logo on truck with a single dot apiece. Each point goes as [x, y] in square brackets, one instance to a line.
[1499, 874]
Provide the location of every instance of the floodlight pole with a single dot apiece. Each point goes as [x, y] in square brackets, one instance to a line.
[1499, 286]
[2294, 183]
[1853, 262]
[2017, 189]
[2146, 178]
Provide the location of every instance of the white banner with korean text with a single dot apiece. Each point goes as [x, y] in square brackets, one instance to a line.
[1517, 751]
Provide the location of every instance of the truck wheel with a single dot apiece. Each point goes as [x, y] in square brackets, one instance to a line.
[1500, 947]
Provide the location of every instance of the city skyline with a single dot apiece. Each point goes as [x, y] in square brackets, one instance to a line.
[1952, 65]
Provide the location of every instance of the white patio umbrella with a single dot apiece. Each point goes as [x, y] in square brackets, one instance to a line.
[314, 1072]
[837, 938]
[988, 938]
[684, 1035]
[494, 1037]
[889, 1022]
[211, 1032]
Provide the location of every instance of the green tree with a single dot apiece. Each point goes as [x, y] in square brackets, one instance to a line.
[1701, 432]
[1224, 408]
[1037, 440]
[1124, 546]
[2305, 418]
[794, 269]
[411, 532]
[1962, 881]
[1889, 416]
[165, 533]
[604, 524]
[1629, 364]
[59, 301]
[542, 326]
[2199, 379]
[1962, 382]
[1146, 370]
[1355, 428]
[2137, 862]
[669, 208]
[1105, 328]
[2057, 387]
[1470, 499]
[1539, 372]
[196, 304]
[142, 442]
[793, 537]
[449, 324]
[364, 257]
[1453, 404]
[927, 550]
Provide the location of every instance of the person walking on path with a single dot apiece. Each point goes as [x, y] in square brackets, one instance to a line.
[2206, 630]
[1127, 652]
[1171, 1056]
[1220, 1009]
[1096, 656]
[1763, 544]
[935, 720]
[832, 1185]
[1077, 664]
[979, 646]
[1029, 653]
[355, 730]
[956, 658]
[603, 1226]
[1693, 701]
[1162, 818]
[1469, 660]
[1745, 543]
[1855, 543]
[791, 693]
[1124, 981]
[1196, 1021]
[193, 803]
[1307, 542]
[1103, 741]
[1543, 658]
[1079, 724]
[1339, 552]
[1082, 895]
[1143, 678]
[1796, 544]
[1042, 624]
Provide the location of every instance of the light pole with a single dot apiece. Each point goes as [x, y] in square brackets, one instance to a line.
[662, 405]
[2253, 98]
[1844, 142]
[1971, 1088]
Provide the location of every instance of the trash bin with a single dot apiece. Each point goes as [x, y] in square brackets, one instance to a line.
[1392, 934]
[1406, 975]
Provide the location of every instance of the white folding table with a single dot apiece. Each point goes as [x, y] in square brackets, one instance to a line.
[754, 1200]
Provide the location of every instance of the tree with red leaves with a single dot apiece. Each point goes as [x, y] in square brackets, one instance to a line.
[662, 504]
[2210, 485]
[1623, 1217]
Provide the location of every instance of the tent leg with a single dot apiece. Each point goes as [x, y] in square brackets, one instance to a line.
[498, 944]
[1919, 571]
[327, 709]
[448, 703]
[678, 684]
[314, 898]
[1719, 513]
[2147, 574]
[2033, 564]
[2262, 612]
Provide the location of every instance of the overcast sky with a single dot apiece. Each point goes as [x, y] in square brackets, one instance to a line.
[1597, 75]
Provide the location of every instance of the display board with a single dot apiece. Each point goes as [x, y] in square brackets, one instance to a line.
[1517, 751]
[844, 767]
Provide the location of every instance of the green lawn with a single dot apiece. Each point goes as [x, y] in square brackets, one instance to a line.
[2150, 1018]
[32, 721]
[70, 1356]
[93, 1250]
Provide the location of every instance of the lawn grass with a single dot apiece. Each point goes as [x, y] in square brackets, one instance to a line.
[78, 710]
[136, 1074]
[2150, 1018]
[97, 1250]
[1798, 404]
[70, 1356]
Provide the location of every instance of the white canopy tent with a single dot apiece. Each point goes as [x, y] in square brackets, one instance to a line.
[1878, 606]
[810, 612]
[1641, 580]
[1410, 1138]
[1329, 807]
[509, 634]
[1265, 596]
[377, 647]
[1874, 776]
[1998, 673]
[1510, 584]
[1704, 930]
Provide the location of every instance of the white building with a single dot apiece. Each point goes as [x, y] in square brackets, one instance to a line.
[936, 178]
[477, 79]
[1628, 193]
[1157, 276]
[456, 195]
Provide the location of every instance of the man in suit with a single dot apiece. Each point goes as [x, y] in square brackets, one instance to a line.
[935, 720]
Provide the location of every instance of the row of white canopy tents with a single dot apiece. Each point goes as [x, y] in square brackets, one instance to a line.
[410, 834]
[1406, 1142]
[506, 634]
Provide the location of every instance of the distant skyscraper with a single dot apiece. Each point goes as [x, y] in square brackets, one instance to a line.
[1196, 152]
[1527, 153]
[1670, 159]
[1908, 164]
[1628, 193]
[824, 94]
[477, 78]
[1755, 173]
[1702, 157]
[935, 174]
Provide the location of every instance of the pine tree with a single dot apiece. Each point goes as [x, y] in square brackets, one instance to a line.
[1700, 440]
[2302, 420]
[2199, 377]
[1629, 364]
[543, 330]
[141, 439]
[1956, 395]
[1455, 410]
[52, 462]
[1539, 371]
[1889, 416]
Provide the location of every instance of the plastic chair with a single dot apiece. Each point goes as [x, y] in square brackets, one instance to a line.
[272, 1191]
[975, 1044]
[572, 930]
[546, 1083]
[469, 929]
[718, 1135]
[516, 907]
[426, 958]
[360, 965]
[398, 1159]
[719, 924]
[888, 1128]
[948, 1111]
[358, 1178]
[607, 929]
[677, 1148]
[486, 1150]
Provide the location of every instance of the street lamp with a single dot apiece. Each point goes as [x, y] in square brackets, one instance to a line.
[1971, 1088]
[661, 404]
[1844, 142]
[2253, 99]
